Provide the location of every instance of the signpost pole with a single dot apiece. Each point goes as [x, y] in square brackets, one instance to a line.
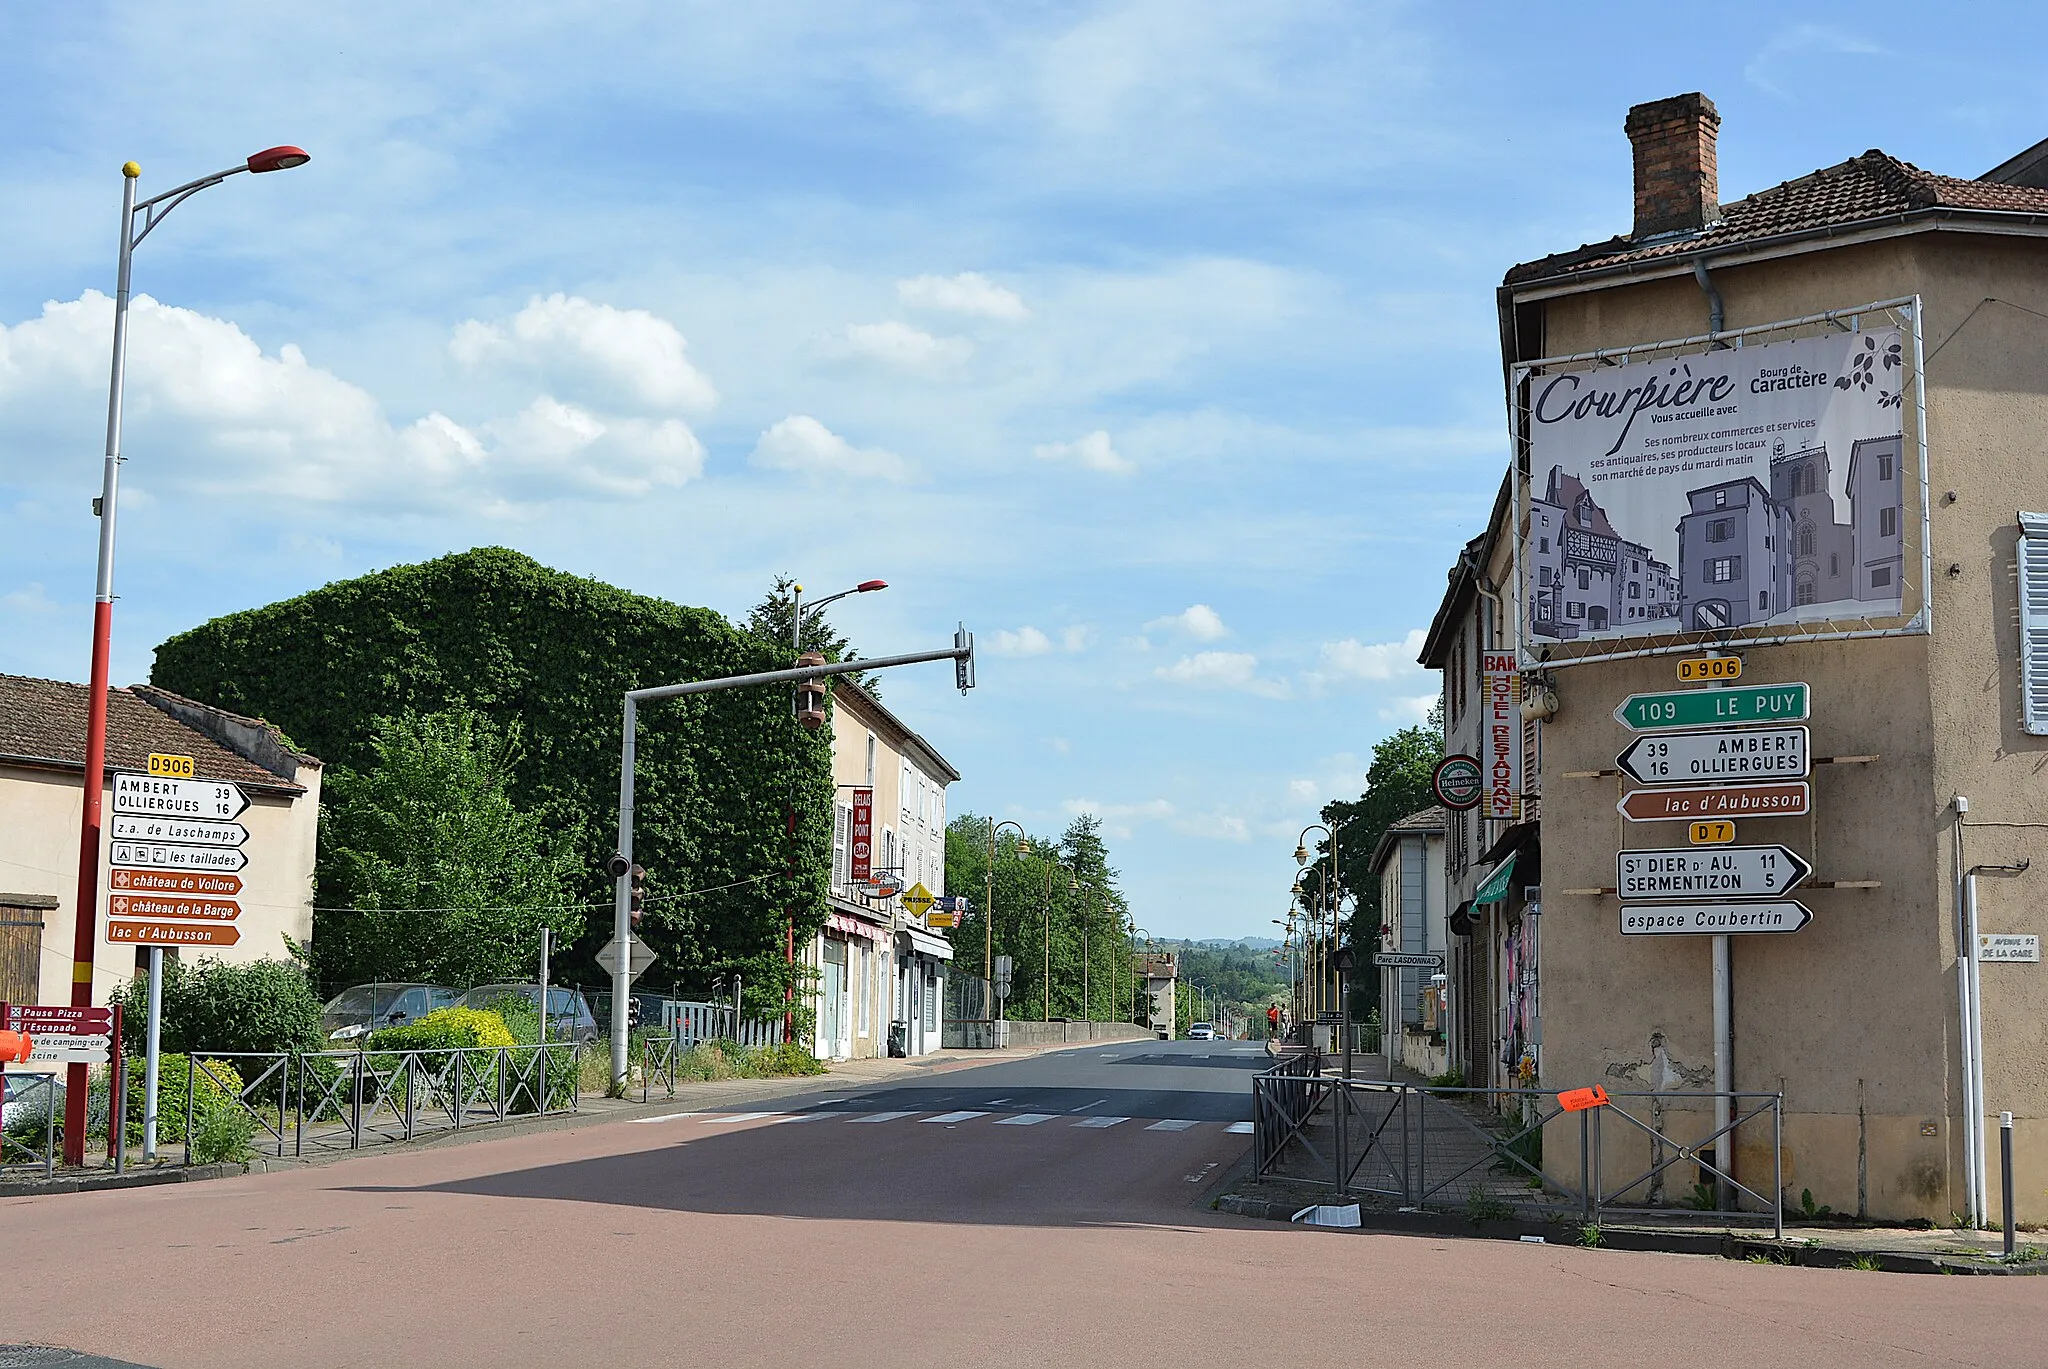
[546, 937]
[117, 1100]
[149, 1053]
[1724, 1065]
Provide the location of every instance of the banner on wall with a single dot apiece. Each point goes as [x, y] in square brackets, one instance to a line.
[1749, 487]
[863, 836]
[1501, 697]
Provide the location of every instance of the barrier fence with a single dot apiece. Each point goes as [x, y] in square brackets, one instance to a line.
[1646, 1156]
[28, 1122]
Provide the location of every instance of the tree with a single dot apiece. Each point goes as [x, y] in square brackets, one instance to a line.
[427, 870]
[771, 619]
[1396, 784]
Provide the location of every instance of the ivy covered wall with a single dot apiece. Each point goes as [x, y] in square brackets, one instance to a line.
[717, 774]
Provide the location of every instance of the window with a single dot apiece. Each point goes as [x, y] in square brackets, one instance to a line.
[1574, 609]
[1888, 521]
[1635, 567]
[1834, 563]
[871, 761]
[1543, 543]
[1880, 576]
[2031, 553]
[1806, 539]
[1585, 578]
[1763, 601]
[1635, 589]
[1884, 468]
[842, 869]
[1720, 529]
[1720, 499]
[862, 986]
[1722, 569]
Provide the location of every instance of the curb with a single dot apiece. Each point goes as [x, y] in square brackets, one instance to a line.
[142, 1178]
[1727, 1246]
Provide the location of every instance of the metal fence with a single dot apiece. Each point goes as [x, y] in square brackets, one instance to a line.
[662, 1053]
[343, 1100]
[28, 1131]
[1484, 1150]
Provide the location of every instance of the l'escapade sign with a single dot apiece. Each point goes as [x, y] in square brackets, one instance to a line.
[1749, 487]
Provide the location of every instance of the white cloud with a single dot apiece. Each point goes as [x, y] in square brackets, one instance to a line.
[1352, 660]
[1092, 452]
[1075, 638]
[805, 446]
[30, 598]
[1226, 670]
[1198, 621]
[1118, 819]
[970, 292]
[567, 337]
[1302, 791]
[1408, 710]
[1025, 641]
[563, 444]
[907, 348]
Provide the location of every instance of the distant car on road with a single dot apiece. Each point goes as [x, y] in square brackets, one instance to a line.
[1201, 1031]
[357, 1012]
[569, 1015]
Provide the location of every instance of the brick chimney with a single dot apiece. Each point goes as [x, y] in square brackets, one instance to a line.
[1678, 189]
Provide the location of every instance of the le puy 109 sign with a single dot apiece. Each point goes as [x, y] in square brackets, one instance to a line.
[1664, 494]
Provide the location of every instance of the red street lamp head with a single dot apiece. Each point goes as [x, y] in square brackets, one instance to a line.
[278, 159]
[866, 585]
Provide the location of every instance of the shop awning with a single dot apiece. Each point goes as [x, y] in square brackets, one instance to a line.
[1495, 889]
[924, 943]
[848, 925]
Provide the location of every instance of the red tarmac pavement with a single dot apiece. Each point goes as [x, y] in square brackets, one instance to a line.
[859, 1238]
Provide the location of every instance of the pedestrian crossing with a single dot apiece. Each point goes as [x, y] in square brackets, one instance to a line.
[955, 1118]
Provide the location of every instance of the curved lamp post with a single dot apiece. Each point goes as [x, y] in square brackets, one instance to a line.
[1333, 894]
[988, 925]
[86, 934]
[1073, 883]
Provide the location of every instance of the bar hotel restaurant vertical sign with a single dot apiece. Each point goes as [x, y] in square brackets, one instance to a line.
[175, 857]
[1501, 683]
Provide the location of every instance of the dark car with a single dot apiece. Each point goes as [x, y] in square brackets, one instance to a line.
[569, 1015]
[357, 1012]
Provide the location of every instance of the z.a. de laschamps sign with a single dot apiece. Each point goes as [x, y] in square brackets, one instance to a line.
[1742, 488]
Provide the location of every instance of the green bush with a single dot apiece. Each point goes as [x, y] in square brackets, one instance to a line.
[214, 1091]
[446, 1029]
[266, 1005]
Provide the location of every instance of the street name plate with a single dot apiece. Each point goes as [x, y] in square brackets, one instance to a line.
[1689, 872]
[2001, 948]
[1717, 801]
[1691, 919]
[1389, 960]
[214, 800]
[1751, 753]
[1735, 706]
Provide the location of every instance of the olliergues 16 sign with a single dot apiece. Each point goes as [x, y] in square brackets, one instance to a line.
[1751, 487]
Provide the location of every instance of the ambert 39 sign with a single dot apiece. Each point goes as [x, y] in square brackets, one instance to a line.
[1734, 490]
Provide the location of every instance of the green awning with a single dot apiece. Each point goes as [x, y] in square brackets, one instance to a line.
[1495, 890]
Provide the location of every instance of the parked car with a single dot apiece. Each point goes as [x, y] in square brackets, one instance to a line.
[569, 1015]
[357, 1012]
[1201, 1031]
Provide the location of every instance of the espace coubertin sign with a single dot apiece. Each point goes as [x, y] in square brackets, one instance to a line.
[1748, 487]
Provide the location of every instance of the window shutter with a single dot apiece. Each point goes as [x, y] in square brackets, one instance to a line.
[2033, 575]
[842, 866]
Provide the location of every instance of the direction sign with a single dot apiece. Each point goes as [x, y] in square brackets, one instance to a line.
[1432, 960]
[173, 882]
[918, 900]
[149, 855]
[171, 934]
[1752, 753]
[185, 831]
[1688, 872]
[158, 905]
[1717, 801]
[1735, 706]
[1685, 919]
[639, 958]
[62, 1035]
[215, 800]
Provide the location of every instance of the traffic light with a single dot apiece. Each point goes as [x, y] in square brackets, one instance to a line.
[810, 695]
[636, 888]
[633, 1010]
[963, 666]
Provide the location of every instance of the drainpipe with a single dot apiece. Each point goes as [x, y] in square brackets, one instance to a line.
[1717, 312]
[1971, 1109]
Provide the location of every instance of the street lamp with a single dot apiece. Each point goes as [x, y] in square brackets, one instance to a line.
[86, 932]
[988, 925]
[797, 610]
[1073, 883]
[1332, 891]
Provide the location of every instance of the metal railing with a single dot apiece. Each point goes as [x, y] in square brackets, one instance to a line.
[26, 1147]
[1483, 1149]
[343, 1100]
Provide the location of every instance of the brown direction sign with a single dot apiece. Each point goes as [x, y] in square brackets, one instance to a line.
[158, 906]
[1785, 800]
[171, 934]
[174, 882]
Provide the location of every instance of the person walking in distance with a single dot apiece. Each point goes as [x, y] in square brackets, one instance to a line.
[1273, 1020]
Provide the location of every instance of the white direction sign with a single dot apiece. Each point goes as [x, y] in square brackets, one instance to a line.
[1428, 960]
[215, 800]
[46, 1049]
[1686, 919]
[144, 855]
[639, 959]
[1714, 757]
[1694, 872]
[186, 831]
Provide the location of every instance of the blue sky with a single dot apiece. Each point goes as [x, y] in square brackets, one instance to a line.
[1154, 340]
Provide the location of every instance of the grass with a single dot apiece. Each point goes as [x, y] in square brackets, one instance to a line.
[1869, 1264]
[1590, 1236]
[1481, 1206]
[2026, 1254]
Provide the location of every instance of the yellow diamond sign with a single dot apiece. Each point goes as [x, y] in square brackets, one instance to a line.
[918, 900]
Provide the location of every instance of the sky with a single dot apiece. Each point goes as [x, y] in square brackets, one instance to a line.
[1154, 341]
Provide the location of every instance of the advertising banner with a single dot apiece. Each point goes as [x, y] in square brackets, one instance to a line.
[863, 836]
[1749, 487]
[1501, 697]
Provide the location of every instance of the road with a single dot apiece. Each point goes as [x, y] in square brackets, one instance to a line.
[1043, 1209]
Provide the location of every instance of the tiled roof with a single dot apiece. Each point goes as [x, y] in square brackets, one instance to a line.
[43, 722]
[1427, 820]
[1863, 189]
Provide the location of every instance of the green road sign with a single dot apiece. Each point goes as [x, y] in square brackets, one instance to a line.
[1731, 707]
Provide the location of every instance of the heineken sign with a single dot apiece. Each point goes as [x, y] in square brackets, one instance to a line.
[1458, 782]
[1736, 706]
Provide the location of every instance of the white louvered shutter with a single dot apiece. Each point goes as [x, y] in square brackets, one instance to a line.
[2033, 575]
[842, 869]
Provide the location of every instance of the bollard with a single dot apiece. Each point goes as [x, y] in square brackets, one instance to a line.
[2005, 1176]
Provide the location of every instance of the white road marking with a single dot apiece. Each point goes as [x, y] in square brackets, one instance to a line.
[1173, 1124]
[995, 1102]
[881, 1116]
[801, 1117]
[956, 1117]
[1026, 1119]
[1085, 1106]
[735, 1117]
[1100, 1121]
[665, 1117]
[1239, 1128]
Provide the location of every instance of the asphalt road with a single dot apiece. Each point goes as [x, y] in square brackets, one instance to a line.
[1042, 1209]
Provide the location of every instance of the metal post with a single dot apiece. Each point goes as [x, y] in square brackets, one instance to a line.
[988, 926]
[150, 1054]
[546, 944]
[117, 1101]
[1979, 1112]
[1778, 1165]
[622, 916]
[2005, 1176]
[1724, 1067]
[1585, 1166]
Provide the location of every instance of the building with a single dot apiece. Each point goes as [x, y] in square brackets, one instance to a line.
[1900, 575]
[42, 766]
[1585, 576]
[1415, 1016]
[877, 966]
